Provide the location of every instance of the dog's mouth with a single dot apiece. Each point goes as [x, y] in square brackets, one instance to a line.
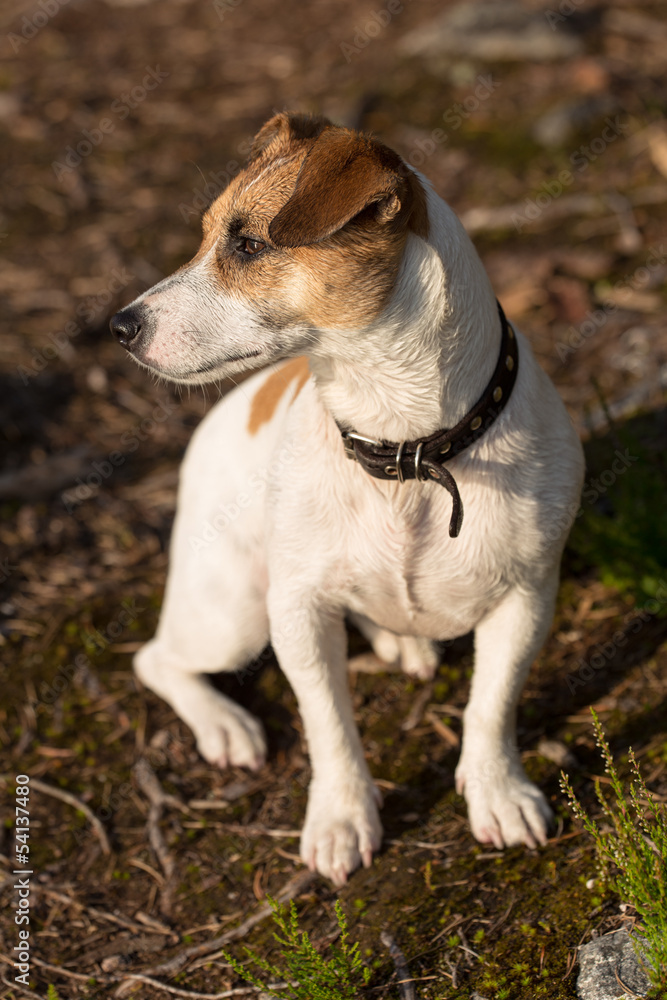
[219, 368]
[212, 366]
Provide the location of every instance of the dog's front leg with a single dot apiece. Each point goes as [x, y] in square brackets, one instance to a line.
[504, 807]
[342, 827]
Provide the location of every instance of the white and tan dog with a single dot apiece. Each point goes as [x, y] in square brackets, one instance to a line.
[327, 250]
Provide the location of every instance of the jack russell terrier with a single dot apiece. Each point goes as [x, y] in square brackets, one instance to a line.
[331, 260]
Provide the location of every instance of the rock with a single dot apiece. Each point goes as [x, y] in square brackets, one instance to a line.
[606, 960]
[112, 964]
[558, 752]
[491, 32]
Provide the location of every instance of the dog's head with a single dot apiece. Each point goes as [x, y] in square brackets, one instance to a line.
[309, 236]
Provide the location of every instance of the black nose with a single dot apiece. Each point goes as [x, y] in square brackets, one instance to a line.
[126, 326]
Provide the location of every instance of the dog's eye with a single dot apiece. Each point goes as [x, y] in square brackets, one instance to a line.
[250, 247]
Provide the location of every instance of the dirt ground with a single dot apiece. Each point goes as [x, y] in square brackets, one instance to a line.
[543, 128]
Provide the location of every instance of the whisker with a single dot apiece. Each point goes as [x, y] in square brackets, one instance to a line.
[200, 170]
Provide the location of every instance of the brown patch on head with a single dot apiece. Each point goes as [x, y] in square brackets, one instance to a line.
[284, 128]
[270, 392]
[334, 208]
[343, 174]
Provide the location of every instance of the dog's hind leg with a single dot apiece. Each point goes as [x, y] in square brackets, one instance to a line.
[211, 621]
[226, 734]
[418, 657]
[504, 807]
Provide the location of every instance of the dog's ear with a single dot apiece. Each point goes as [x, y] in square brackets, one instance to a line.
[285, 127]
[343, 174]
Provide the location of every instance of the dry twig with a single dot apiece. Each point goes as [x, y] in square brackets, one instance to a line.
[158, 799]
[113, 918]
[71, 800]
[443, 730]
[406, 986]
[414, 716]
[175, 991]
[257, 830]
[22, 989]
[626, 989]
[149, 784]
[173, 965]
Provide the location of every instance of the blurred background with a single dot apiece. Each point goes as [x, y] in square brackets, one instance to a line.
[540, 121]
[542, 126]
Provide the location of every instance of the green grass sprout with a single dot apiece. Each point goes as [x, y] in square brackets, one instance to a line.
[632, 853]
[307, 975]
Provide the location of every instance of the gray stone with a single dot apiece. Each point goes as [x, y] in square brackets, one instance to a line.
[605, 958]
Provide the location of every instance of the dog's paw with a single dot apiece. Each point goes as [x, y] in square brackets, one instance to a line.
[385, 644]
[228, 736]
[342, 830]
[419, 657]
[504, 807]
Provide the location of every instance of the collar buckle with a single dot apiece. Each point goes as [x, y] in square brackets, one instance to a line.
[349, 437]
[426, 456]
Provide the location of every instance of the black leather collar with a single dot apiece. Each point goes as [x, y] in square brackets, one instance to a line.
[425, 458]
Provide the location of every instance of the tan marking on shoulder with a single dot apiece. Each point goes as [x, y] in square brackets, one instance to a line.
[267, 397]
